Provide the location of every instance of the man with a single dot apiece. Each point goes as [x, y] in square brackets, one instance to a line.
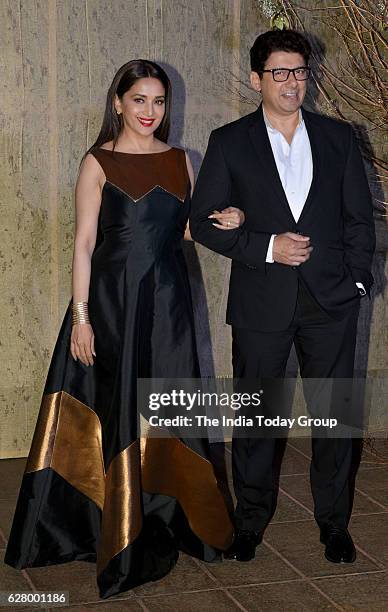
[300, 263]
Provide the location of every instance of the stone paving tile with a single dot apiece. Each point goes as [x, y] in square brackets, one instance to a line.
[293, 462]
[204, 601]
[298, 488]
[288, 510]
[374, 483]
[301, 444]
[266, 567]
[365, 466]
[11, 579]
[367, 592]
[3, 542]
[281, 597]
[11, 473]
[371, 534]
[187, 575]
[377, 449]
[7, 508]
[297, 539]
[299, 544]
[130, 605]
[17, 609]
[77, 577]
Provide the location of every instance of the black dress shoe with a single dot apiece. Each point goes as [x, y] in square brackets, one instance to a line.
[244, 545]
[339, 545]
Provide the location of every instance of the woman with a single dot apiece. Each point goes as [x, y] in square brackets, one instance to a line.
[90, 490]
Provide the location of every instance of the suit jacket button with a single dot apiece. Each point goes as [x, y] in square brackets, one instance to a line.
[293, 267]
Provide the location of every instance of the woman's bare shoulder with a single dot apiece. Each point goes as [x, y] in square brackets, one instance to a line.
[91, 169]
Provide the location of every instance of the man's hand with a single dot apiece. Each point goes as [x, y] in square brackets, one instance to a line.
[291, 249]
[229, 218]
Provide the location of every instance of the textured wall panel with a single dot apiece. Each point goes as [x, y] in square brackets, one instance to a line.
[57, 60]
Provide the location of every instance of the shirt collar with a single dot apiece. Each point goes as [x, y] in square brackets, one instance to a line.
[270, 127]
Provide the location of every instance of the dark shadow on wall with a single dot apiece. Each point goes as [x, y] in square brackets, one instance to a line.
[201, 312]
[318, 56]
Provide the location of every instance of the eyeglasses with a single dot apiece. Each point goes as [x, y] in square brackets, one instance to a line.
[281, 74]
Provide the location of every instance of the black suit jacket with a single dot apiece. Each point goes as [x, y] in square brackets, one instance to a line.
[239, 169]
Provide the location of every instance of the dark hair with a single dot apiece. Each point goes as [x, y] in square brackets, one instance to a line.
[123, 80]
[277, 40]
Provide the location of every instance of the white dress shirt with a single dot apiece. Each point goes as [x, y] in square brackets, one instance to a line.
[295, 167]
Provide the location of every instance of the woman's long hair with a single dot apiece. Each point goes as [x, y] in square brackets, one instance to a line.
[123, 80]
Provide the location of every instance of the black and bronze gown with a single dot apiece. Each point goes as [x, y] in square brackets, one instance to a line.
[92, 489]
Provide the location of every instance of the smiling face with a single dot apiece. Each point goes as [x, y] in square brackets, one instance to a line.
[142, 106]
[285, 98]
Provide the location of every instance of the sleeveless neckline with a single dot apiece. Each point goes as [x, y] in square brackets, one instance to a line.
[138, 154]
[137, 175]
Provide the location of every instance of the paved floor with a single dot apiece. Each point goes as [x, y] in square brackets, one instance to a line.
[289, 573]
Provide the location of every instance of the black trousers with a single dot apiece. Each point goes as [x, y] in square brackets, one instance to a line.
[325, 349]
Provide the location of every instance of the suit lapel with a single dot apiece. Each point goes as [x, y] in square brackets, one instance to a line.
[260, 141]
[316, 139]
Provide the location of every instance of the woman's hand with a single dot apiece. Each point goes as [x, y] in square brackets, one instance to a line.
[229, 218]
[187, 234]
[82, 343]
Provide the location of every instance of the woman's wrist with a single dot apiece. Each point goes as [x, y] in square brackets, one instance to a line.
[80, 313]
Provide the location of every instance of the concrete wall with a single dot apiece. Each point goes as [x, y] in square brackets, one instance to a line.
[56, 62]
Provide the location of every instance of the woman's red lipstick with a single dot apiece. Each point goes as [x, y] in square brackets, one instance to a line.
[146, 122]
